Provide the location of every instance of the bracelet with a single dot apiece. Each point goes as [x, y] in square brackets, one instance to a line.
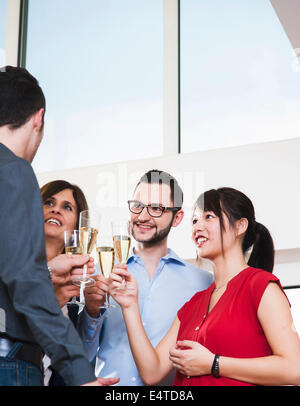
[215, 367]
[50, 271]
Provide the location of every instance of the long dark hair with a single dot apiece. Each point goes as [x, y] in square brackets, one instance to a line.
[236, 205]
[56, 186]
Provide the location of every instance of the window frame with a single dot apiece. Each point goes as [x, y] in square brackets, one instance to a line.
[17, 43]
[285, 289]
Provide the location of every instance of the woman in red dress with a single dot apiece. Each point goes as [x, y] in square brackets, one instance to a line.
[240, 330]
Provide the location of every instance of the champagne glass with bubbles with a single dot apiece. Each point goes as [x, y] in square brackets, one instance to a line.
[88, 230]
[106, 256]
[122, 241]
[73, 247]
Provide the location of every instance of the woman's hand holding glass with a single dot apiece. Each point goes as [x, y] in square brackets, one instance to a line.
[95, 296]
[116, 281]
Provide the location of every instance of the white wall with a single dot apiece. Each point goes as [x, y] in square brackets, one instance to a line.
[267, 173]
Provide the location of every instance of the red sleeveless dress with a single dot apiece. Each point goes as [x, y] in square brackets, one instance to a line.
[231, 328]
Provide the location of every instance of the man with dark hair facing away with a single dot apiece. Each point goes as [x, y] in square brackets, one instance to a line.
[33, 322]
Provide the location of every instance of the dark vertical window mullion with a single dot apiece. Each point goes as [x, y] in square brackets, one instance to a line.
[23, 33]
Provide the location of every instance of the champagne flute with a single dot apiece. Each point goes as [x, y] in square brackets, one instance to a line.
[106, 255]
[73, 247]
[88, 230]
[122, 241]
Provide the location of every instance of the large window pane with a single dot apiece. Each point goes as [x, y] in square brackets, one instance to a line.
[100, 63]
[239, 82]
[3, 14]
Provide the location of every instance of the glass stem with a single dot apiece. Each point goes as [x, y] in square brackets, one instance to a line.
[82, 285]
[84, 271]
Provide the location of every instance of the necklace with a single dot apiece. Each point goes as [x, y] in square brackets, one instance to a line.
[220, 287]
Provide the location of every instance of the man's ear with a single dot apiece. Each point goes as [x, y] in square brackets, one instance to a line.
[38, 119]
[178, 218]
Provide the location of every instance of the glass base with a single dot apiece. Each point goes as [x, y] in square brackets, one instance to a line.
[107, 306]
[76, 302]
[83, 281]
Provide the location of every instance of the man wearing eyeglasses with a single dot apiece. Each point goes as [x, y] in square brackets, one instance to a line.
[165, 282]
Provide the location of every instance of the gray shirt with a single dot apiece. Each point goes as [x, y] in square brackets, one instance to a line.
[29, 308]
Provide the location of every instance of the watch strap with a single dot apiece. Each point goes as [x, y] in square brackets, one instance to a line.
[215, 369]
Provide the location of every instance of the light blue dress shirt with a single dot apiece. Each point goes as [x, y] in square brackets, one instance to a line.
[174, 283]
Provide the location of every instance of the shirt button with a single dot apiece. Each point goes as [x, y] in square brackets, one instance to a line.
[133, 379]
[197, 328]
[148, 297]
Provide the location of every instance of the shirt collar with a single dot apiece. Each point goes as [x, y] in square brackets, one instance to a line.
[171, 256]
[5, 148]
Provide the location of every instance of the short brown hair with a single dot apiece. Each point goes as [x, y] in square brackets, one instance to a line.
[162, 177]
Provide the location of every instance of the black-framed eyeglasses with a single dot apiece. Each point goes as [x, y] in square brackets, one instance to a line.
[154, 210]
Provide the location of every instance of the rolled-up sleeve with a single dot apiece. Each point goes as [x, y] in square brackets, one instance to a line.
[89, 329]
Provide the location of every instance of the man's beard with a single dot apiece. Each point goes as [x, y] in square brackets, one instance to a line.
[157, 237]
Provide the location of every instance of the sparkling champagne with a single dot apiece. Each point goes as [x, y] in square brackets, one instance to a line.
[88, 238]
[73, 250]
[122, 247]
[106, 260]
